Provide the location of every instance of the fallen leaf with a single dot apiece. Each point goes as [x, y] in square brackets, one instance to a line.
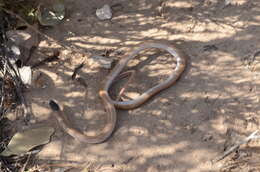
[24, 141]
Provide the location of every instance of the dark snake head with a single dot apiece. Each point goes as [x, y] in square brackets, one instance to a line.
[54, 106]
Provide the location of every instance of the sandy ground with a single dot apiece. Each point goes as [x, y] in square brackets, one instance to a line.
[185, 126]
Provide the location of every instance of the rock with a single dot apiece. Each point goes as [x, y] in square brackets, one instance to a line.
[18, 36]
[51, 14]
[25, 38]
[101, 61]
[26, 74]
[104, 13]
[15, 50]
[12, 116]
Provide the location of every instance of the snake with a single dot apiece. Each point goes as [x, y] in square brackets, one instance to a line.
[110, 105]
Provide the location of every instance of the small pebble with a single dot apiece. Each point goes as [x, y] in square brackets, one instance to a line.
[104, 13]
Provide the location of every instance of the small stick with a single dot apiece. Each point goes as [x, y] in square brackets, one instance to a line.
[236, 146]
[32, 49]
[256, 53]
[76, 70]
[2, 89]
[51, 58]
[26, 163]
[122, 75]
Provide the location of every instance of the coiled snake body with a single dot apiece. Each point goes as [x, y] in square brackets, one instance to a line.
[110, 104]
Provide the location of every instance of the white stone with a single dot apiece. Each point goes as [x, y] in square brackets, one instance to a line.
[101, 61]
[26, 74]
[104, 13]
[15, 50]
[18, 36]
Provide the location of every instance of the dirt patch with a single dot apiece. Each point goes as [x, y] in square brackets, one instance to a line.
[182, 128]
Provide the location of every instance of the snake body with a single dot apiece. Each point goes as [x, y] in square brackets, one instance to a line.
[110, 104]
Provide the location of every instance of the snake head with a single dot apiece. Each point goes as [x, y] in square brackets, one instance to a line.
[54, 106]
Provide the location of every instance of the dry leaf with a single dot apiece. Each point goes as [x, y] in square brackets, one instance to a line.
[24, 141]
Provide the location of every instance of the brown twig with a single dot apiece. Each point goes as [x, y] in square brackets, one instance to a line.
[49, 59]
[76, 70]
[26, 163]
[32, 49]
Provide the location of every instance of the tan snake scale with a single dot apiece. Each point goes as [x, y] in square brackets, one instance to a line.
[110, 104]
